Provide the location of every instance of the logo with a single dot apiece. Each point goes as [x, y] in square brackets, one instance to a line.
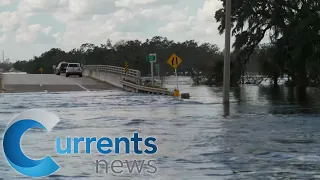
[63, 146]
[12, 140]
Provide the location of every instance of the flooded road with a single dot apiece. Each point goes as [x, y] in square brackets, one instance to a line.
[268, 135]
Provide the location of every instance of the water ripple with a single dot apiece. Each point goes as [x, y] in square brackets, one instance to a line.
[261, 139]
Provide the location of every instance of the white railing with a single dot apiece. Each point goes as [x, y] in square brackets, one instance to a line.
[114, 69]
[14, 73]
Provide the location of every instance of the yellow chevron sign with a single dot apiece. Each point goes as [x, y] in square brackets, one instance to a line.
[126, 67]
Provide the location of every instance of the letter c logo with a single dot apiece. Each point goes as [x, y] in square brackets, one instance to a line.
[12, 137]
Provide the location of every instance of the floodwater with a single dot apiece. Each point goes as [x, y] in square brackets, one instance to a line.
[269, 133]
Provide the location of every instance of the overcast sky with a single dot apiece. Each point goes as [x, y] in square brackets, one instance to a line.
[31, 27]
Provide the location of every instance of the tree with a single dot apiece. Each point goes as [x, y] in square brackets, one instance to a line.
[293, 27]
[272, 64]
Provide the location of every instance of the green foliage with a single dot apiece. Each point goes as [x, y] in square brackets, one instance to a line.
[194, 55]
[293, 28]
[6, 66]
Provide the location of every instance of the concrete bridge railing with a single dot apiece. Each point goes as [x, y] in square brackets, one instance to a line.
[114, 69]
[129, 81]
[111, 74]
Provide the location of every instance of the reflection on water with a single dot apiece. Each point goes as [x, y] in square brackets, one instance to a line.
[268, 134]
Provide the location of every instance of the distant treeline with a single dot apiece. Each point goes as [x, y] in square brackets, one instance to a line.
[196, 57]
[6, 66]
[205, 58]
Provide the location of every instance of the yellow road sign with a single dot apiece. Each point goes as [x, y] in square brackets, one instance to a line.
[41, 69]
[174, 61]
[126, 67]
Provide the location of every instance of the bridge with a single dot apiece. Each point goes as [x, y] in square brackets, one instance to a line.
[95, 77]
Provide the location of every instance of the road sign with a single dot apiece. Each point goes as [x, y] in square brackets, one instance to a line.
[126, 67]
[41, 69]
[152, 57]
[174, 61]
[158, 69]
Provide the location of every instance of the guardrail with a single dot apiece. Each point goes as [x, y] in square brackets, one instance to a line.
[114, 69]
[14, 73]
[145, 88]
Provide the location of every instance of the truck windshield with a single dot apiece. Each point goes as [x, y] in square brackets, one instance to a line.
[73, 65]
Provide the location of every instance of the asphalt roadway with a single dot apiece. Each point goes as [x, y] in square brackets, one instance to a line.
[18, 83]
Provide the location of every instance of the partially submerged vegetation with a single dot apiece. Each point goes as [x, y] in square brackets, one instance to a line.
[293, 29]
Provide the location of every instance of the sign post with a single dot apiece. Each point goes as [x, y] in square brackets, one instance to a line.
[158, 69]
[174, 61]
[152, 80]
[41, 69]
[152, 58]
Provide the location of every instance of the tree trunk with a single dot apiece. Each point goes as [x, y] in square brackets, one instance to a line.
[302, 82]
[275, 81]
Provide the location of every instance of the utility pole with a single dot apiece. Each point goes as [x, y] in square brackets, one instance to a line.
[226, 72]
[2, 56]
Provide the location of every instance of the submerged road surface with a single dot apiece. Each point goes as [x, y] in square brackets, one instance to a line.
[269, 135]
[51, 83]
